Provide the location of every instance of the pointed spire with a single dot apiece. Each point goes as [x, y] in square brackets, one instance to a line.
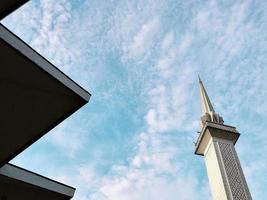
[206, 106]
[207, 111]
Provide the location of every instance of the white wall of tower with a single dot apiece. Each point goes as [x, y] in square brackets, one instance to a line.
[225, 174]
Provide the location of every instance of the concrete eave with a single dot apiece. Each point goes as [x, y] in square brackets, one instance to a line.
[214, 130]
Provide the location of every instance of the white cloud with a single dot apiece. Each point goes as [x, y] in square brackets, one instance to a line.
[152, 175]
[147, 186]
[49, 23]
[69, 139]
[153, 172]
[168, 41]
[227, 30]
[83, 178]
[144, 39]
[185, 43]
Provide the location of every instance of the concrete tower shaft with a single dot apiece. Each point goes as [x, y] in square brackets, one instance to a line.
[216, 143]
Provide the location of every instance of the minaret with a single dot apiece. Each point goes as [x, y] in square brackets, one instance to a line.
[216, 143]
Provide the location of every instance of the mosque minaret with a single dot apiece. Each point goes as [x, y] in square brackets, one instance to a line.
[216, 143]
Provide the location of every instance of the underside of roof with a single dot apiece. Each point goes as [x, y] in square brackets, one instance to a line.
[8, 6]
[17, 183]
[35, 96]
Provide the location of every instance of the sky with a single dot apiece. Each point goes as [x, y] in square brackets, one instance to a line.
[140, 60]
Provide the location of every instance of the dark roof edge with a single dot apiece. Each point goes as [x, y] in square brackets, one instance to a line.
[42, 62]
[32, 178]
[12, 8]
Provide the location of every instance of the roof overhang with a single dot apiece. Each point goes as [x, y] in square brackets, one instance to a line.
[35, 96]
[8, 6]
[17, 183]
[213, 130]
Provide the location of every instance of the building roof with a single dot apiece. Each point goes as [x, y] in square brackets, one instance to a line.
[8, 6]
[18, 183]
[35, 95]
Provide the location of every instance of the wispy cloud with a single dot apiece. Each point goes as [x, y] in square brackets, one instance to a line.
[68, 138]
[144, 39]
[48, 22]
[152, 172]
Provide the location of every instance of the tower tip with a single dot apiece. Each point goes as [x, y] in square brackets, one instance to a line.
[199, 80]
[208, 112]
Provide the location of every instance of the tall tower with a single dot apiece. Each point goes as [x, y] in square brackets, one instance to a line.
[216, 143]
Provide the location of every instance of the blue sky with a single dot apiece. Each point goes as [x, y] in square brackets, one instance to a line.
[140, 60]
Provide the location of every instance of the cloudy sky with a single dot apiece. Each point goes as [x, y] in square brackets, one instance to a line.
[140, 59]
